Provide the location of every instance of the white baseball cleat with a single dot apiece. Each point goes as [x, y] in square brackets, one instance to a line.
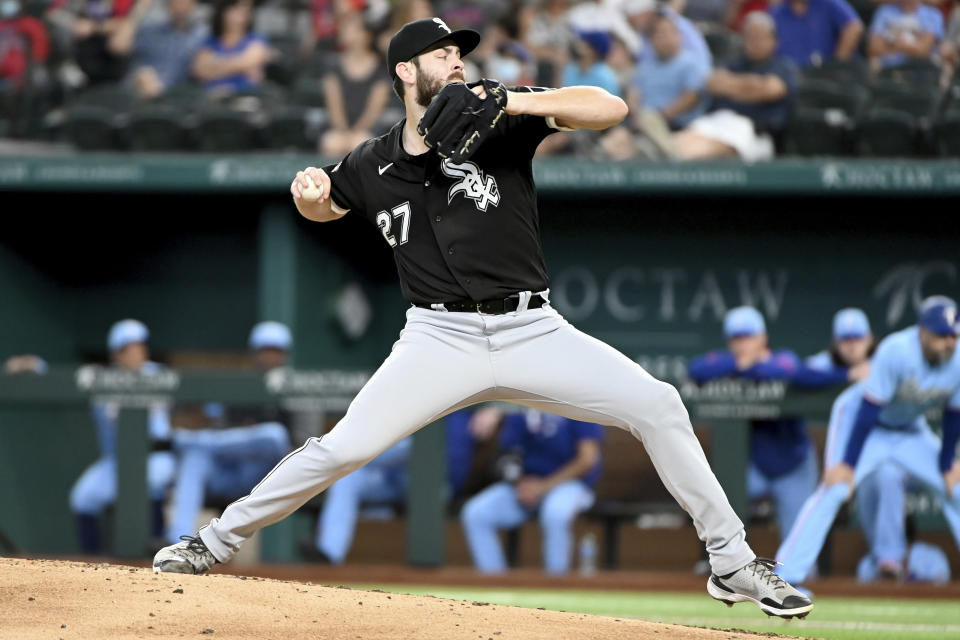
[757, 583]
[189, 556]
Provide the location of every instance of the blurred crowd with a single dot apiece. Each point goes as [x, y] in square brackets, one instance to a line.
[546, 467]
[748, 79]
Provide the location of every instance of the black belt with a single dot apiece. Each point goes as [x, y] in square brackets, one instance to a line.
[489, 307]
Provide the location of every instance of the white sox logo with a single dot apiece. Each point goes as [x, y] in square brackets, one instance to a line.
[482, 190]
[442, 24]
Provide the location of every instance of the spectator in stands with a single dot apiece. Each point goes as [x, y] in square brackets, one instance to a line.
[606, 16]
[751, 102]
[738, 10]
[902, 31]
[783, 462]
[355, 91]
[94, 26]
[233, 58]
[546, 34]
[236, 445]
[96, 488]
[552, 466]
[670, 81]
[812, 32]
[24, 42]
[666, 93]
[325, 17]
[642, 15]
[848, 358]
[588, 66]
[163, 52]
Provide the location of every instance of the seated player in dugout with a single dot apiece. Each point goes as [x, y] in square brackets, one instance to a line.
[847, 359]
[548, 470]
[233, 446]
[451, 189]
[96, 488]
[783, 461]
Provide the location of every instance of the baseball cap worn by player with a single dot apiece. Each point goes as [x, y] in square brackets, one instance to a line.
[126, 332]
[416, 37]
[850, 323]
[938, 314]
[270, 335]
[743, 321]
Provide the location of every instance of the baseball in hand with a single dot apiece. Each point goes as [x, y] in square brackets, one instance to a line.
[312, 193]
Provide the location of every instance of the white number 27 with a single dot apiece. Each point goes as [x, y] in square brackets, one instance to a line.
[385, 222]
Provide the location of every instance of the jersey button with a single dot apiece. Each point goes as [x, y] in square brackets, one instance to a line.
[467, 281]
[450, 250]
[438, 218]
[426, 183]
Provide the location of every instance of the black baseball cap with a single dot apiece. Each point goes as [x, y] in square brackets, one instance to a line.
[416, 37]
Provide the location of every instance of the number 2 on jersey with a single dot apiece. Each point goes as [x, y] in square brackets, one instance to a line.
[385, 222]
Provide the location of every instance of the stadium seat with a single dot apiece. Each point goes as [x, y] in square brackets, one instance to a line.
[289, 128]
[946, 135]
[92, 128]
[723, 43]
[158, 127]
[887, 132]
[185, 97]
[222, 129]
[283, 68]
[815, 93]
[915, 73]
[117, 98]
[307, 92]
[920, 102]
[818, 132]
[846, 72]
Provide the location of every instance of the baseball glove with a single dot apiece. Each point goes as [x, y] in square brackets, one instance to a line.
[457, 121]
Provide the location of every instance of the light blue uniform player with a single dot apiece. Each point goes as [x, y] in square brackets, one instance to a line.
[847, 359]
[783, 462]
[228, 462]
[880, 421]
[96, 488]
[560, 464]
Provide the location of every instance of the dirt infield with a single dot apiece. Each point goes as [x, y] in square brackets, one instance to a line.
[62, 599]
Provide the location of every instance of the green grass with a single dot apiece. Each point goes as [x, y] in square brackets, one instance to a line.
[840, 618]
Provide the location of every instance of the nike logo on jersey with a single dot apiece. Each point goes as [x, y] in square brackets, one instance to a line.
[382, 169]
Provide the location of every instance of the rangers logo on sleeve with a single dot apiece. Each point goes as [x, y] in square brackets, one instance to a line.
[473, 184]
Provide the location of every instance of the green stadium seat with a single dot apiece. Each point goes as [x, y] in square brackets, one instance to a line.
[818, 132]
[225, 130]
[885, 132]
[815, 93]
[116, 97]
[283, 69]
[946, 135]
[920, 102]
[158, 127]
[913, 73]
[185, 97]
[92, 128]
[290, 128]
[307, 92]
[846, 72]
[724, 44]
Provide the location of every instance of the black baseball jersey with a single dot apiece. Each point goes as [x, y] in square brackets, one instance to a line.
[465, 231]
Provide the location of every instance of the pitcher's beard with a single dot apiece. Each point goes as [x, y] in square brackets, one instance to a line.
[429, 87]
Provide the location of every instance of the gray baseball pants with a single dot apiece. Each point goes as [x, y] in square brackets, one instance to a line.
[446, 361]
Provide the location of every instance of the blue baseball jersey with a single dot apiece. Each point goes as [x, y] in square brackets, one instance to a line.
[776, 446]
[820, 370]
[906, 385]
[549, 442]
[105, 416]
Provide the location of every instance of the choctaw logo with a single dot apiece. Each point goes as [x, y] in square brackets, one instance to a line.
[473, 184]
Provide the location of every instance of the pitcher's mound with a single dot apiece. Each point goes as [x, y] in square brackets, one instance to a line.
[59, 599]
